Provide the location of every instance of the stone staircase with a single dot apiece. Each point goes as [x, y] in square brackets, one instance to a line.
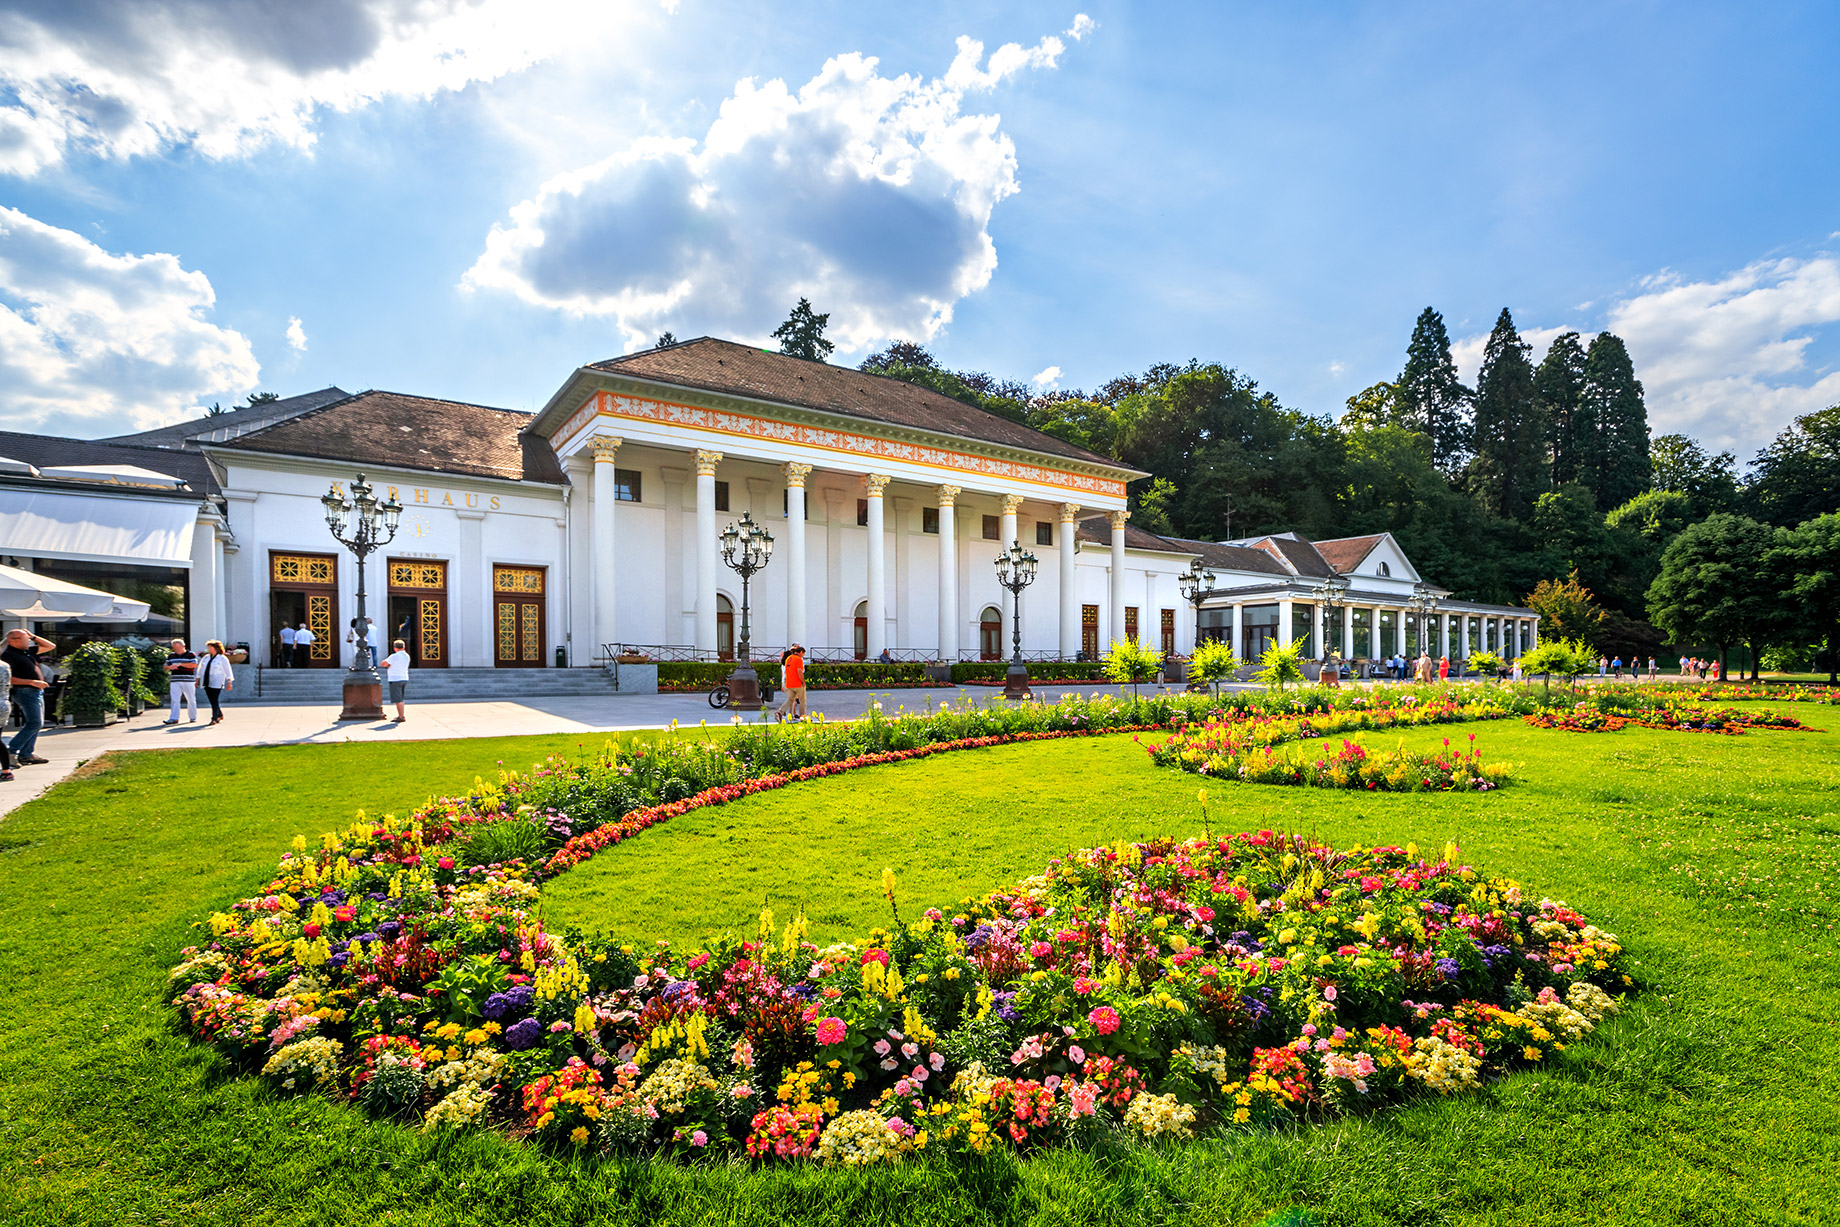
[289, 686]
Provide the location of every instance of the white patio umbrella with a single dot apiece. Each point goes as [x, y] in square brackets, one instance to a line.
[25, 595]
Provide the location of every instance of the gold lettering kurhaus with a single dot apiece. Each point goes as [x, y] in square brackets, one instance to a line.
[612, 405]
[421, 496]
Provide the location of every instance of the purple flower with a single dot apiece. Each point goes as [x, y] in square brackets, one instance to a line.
[523, 1034]
[1448, 968]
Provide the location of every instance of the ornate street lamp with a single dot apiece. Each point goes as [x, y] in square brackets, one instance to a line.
[1425, 601]
[1196, 585]
[1016, 571]
[1332, 593]
[372, 527]
[746, 549]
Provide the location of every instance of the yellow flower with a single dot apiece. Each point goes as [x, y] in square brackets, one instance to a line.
[1531, 1053]
[580, 1136]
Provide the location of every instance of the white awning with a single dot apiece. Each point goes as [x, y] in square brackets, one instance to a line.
[114, 474]
[24, 594]
[97, 528]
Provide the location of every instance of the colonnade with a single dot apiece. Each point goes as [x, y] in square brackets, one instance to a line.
[605, 451]
[1503, 634]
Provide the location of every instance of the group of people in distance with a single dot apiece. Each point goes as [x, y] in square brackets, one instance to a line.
[186, 671]
[1693, 666]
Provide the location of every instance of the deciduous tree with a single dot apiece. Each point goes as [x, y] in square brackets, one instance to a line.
[1797, 477]
[1718, 586]
[1567, 610]
[1808, 557]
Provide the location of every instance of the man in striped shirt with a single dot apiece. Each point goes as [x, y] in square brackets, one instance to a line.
[182, 675]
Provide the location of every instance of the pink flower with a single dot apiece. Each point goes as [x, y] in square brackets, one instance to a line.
[1076, 1054]
[832, 1030]
[1040, 950]
[698, 960]
[1104, 1018]
[1329, 993]
[446, 862]
[881, 1048]
[699, 1138]
[937, 1061]
[1080, 1097]
[877, 956]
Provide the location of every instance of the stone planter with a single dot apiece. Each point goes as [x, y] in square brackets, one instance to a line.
[939, 671]
[92, 720]
[635, 678]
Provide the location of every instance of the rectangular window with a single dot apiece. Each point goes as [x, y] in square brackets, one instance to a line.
[990, 528]
[1169, 632]
[862, 513]
[1130, 623]
[929, 519]
[626, 485]
[721, 496]
[1044, 532]
[1089, 631]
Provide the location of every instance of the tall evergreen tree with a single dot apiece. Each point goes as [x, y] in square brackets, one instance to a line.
[1429, 398]
[802, 335]
[1510, 469]
[1558, 384]
[1613, 402]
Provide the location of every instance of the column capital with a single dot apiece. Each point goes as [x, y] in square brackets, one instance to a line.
[948, 496]
[706, 462]
[795, 474]
[1069, 512]
[1011, 504]
[873, 484]
[1118, 520]
[606, 448]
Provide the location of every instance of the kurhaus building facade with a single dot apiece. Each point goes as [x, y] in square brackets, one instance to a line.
[528, 540]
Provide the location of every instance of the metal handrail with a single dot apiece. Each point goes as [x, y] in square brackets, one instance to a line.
[672, 652]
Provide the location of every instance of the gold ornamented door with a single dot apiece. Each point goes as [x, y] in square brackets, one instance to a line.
[418, 610]
[517, 616]
[304, 587]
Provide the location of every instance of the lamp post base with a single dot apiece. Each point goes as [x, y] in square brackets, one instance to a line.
[1016, 681]
[744, 689]
[363, 696]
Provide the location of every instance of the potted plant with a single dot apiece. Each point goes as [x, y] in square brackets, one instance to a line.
[131, 681]
[91, 696]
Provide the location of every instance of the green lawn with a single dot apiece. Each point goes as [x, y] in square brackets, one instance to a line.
[1714, 1099]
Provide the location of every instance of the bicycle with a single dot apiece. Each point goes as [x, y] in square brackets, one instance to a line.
[719, 697]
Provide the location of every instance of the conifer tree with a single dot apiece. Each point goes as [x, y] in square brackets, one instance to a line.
[802, 335]
[1510, 470]
[1613, 402]
[1429, 398]
[1558, 385]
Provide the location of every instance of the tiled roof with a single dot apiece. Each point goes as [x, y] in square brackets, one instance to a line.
[1232, 557]
[228, 425]
[1346, 553]
[1300, 553]
[51, 451]
[1098, 530]
[413, 432]
[742, 370]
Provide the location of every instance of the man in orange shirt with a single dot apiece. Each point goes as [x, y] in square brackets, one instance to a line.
[792, 677]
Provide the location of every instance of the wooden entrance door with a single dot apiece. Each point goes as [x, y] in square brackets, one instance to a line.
[517, 616]
[418, 611]
[305, 588]
[990, 634]
[1089, 631]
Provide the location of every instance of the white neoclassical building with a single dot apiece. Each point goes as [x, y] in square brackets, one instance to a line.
[532, 539]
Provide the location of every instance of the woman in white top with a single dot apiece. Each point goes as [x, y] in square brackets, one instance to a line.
[216, 676]
[396, 672]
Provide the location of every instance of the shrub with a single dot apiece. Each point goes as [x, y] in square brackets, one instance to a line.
[1039, 670]
[90, 690]
[1131, 661]
[500, 843]
[1281, 663]
[1212, 661]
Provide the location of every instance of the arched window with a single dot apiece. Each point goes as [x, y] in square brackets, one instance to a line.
[990, 634]
[725, 628]
[1385, 570]
[862, 630]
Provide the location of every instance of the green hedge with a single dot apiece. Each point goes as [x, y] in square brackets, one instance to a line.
[1039, 670]
[854, 675]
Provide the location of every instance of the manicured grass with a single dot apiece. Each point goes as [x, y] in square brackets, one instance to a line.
[1714, 1099]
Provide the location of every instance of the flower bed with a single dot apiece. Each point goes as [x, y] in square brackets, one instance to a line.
[1349, 765]
[1161, 989]
[1585, 718]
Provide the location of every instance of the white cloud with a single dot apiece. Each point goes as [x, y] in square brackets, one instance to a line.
[296, 335]
[1048, 380]
[1725, 361]
[1336, 368]
[93, 343]
[870, 195]
[229, 76]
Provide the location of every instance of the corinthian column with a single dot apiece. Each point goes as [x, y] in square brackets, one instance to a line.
[796, 596]
[706, 547]
[873, 484]
[948, 574]
[1070, 596]
[1117, 628]
[606, 452]
[1006, 536]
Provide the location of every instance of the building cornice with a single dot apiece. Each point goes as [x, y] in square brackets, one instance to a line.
[281, 462]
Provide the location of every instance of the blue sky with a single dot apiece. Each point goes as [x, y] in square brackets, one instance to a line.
[469, 199]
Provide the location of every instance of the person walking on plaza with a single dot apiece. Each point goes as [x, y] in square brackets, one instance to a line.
[1653, 669]
[182, 682]
[1515, 671]
[303, 645]
[28, 690]
[1616, 669]
[287, 645]
[396, 667]
[1443, 668]
[792, 677]
[215, 674]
